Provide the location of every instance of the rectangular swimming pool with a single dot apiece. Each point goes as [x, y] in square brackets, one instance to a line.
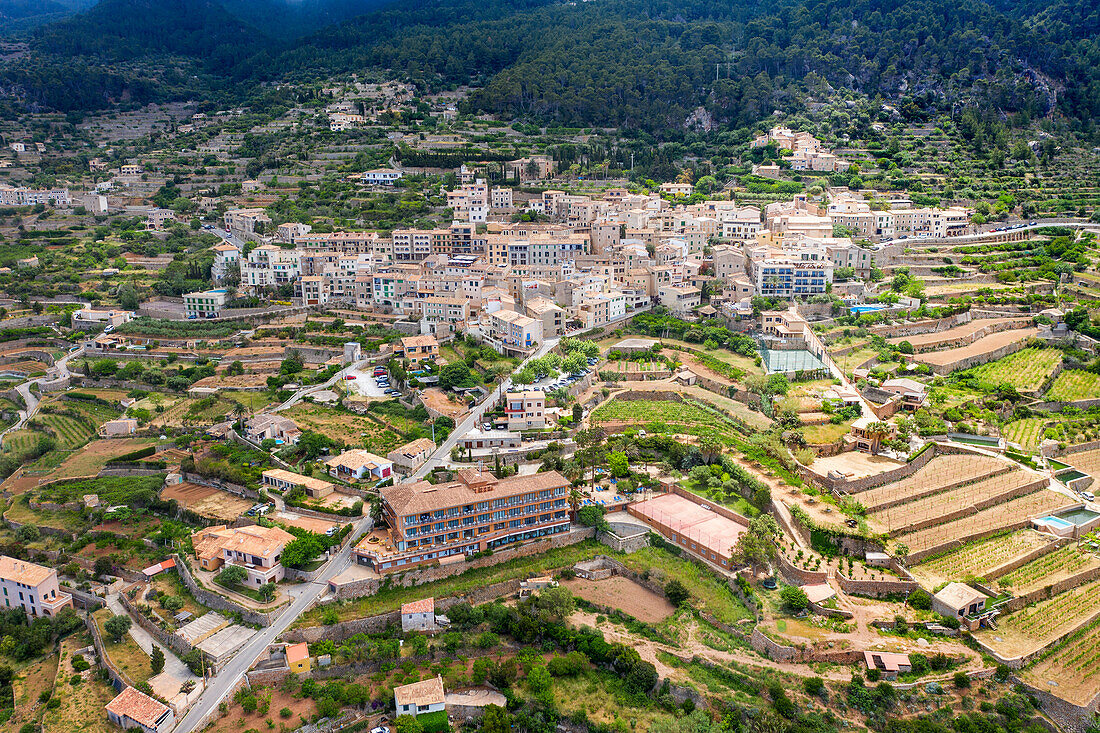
[1057, 522]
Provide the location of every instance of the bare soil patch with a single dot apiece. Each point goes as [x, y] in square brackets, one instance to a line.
[207, 501]
[623, 594]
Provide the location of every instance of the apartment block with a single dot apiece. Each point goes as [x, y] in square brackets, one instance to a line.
[525, 410]
[429, 523]
[207, 304]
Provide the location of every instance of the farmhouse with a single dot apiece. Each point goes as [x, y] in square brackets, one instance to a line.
[134, 709]
[426, 696]
[297, 658]
[418, 615]
[272, 427]
[359, 465]
[888, 663]
[409, 456]
[254, 548]
[957, 600]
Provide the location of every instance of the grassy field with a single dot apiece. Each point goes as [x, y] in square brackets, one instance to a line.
[391, 598]
[674, 418]
[127, 656]
[1074, 384]
[827, 433]
[379, 434]
[81, 707]
[20, 511]
[1026, 370]
[707, 592]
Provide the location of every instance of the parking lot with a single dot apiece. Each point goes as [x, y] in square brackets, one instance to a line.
[364, 383]
[549, 384]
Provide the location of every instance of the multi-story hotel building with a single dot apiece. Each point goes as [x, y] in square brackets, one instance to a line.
[431, 522]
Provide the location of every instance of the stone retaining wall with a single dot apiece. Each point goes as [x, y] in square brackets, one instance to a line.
[1029, 488]
[799, 576]
[1069, 717]
[118, 678]
[1018, 602]
[380, 622]
[928, 325]
[166, 638]
[83, 600]
[628, 544]
[875, 588]
[971, 361]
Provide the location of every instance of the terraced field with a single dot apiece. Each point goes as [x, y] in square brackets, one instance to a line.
[1026, 370]
[1074, 384]
[1074, 668]
[1040, 623]
[71, 433]
[675, 418]
[938, 473]
[989, 520]
[977, 559]
[902, 517]
[1026, 433]
[1050, 568]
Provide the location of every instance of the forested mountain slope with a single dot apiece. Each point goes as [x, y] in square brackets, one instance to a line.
[636, 63]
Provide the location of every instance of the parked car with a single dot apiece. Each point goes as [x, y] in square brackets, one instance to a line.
[350, 376]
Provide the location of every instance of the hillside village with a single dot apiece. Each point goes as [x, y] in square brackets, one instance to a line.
[529, 431]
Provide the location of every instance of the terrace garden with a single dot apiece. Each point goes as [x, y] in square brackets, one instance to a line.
[1040, 623]
[1074, 384]
[1026, 370]
[1063, 563]
[978, 559]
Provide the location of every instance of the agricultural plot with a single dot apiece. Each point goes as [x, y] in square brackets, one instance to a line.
[903, 517]
[69, 432]
[1072, 672]
[1087, 461]
[1048, 569]
[938, 474]
[1026, 370]
[850, 361]
[675, 418]
[375, 433]
[1040, 623]
[1074, 384]
[1002, 516]
[1026, 433]
[978, 559]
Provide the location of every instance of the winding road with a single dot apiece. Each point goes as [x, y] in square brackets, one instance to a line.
[60, 370]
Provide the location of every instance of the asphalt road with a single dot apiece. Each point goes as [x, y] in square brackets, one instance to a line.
[443, 452]
[218, 687]
[59, 370]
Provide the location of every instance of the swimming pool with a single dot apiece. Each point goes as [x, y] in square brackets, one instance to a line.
[1057, 522]
[861, 309]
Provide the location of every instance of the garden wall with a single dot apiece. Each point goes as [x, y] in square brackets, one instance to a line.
[218, 602]
[118, 678]
[378, 623]
[1069, 717]
[170, 640]
[875, 588]
[927, 325]
[799, 576]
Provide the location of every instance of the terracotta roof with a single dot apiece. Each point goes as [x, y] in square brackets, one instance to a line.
[421, 694]
[419, 341]
[138, 707]
[298, 479]
[297, 652]
[414, 448]
[424, 605]
[356, 459]
[422, 496]
[254, 540]
[20, 571]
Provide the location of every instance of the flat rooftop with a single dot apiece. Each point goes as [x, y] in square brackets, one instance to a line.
[226, 641]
